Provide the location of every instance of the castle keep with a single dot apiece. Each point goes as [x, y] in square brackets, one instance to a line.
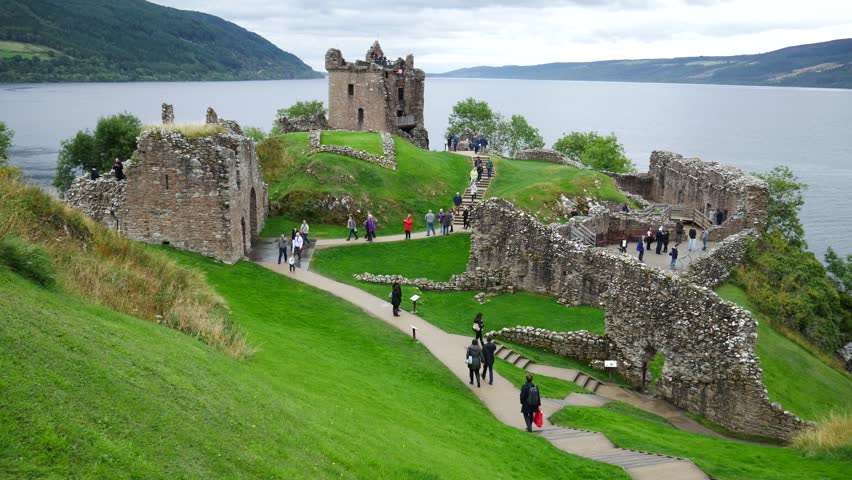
[205, 195]
[376, 94]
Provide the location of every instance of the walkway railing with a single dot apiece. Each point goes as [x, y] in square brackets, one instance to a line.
[698, 218]
[583, 234]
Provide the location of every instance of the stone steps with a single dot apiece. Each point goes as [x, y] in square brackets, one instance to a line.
[481, 187]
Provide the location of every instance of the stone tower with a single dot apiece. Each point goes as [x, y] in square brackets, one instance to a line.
[376, 94]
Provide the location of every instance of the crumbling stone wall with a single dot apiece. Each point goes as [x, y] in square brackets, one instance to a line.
[302, 124]
[547, 155]
[699, 185]
[581, 344]
[204, 195]
[376, 94]
[713, 269]
[386, 160]
[709, 344]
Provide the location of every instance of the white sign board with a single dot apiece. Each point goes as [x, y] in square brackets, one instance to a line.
[415, 298]
[610, 363]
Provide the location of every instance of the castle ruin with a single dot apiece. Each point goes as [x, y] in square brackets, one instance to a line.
[376, 95]
[205, 194]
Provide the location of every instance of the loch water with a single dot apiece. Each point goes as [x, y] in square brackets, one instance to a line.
[753, 128]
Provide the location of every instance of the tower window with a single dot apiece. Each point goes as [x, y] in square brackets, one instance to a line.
[351, 89]
[400, 93]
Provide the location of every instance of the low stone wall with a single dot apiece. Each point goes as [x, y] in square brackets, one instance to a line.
[640, 184]
[387, 160]
[103, 200]
[712, 270]
[547, 155]
[581, 344]
[302, 124]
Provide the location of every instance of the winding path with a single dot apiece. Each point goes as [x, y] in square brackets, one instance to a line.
[501, 398]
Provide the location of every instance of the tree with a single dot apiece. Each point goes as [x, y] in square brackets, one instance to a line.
[517, 134]
[785, 201]
[5, 142]
[596, 151]
[254, 133]
[840, 270]
[476, 116]
[114, 138]
[301, 109]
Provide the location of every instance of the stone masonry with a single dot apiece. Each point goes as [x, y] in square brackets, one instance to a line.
[376, 94]
[205, 195]
[547, 155]
[711, 366]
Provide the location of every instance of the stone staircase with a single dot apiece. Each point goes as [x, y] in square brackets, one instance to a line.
[505, 353]
[481, 187]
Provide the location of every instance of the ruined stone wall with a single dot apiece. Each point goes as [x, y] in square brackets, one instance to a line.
[103, 200]
[547, 155]
[709, 344]
[713, 269]
[302, 124]
[640, 184]
[581, 344]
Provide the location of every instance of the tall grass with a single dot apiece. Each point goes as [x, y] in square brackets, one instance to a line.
[96, 263]
[832, 437]
[190, 130]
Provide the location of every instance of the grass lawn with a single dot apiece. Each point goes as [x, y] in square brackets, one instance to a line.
[720, 458]
[370, 142]
[546, 358]
[549, 387]
[795, 378]
[89, 393]
[305, 185]
[536, 186]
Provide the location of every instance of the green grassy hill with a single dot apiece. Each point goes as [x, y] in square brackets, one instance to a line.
[132, 40]
[90, 393]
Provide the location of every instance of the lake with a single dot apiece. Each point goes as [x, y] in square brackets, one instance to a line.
[753, 128]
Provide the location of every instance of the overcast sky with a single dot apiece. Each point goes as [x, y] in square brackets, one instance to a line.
[444, 35]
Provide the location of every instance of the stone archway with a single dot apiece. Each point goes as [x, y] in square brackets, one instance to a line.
[253, 214]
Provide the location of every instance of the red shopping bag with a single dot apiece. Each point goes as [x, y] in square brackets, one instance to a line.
[538, 418]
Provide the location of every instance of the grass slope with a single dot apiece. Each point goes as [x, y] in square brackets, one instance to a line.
[369, 142]
[722, 459]
[89, 393]
[536, 186]
[794, 377]
[549, 387]
[325, 188]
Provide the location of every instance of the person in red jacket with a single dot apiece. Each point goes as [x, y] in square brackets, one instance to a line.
[408, 222]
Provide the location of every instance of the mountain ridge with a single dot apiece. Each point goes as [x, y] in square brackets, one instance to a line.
[824, 64]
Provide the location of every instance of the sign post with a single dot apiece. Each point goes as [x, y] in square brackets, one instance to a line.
[609, 365]
[414, 300]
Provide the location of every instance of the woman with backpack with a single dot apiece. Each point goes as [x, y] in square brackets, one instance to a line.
[530, 401]
[477, 327]
[473, 357]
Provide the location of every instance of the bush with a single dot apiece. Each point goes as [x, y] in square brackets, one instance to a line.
[304, 109]
[596, 151]
[28, 260]
[5, 142]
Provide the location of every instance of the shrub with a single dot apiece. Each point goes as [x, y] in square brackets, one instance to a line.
[5, 142]
[594, 150]
[28, 260]
[832, 437]
[274, 158]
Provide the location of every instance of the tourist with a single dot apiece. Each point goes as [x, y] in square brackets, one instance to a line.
[118, 168]
[665, 240]
[292, 262]
[472, 175]
[488, 361]
[407, 223]
[704, 237]
[678, 232]
[623, 247]
[483, 144]
[473, 357]
[711, 215]
[640, 247]
[479, 170]
[94, 175]
[396, 297]
[719, 217]
[530, 401]
[476, 146]
[649, 237]
[478, 326]
[371, 227]
[440, 217]
[446, 223]
[673, 254]
[457, 201]
[692, 234]
[574, 212]
[430, 223]
[466, 218]
[659, 239]
[304, 229]
[297, 249]
[473, 191]
[490, 166]
[282, 248]
[455, 142]
[449, 142]
[624, 208]
[353, 228]
[293, 233]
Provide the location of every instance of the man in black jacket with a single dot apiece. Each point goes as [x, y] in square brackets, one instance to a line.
[488, 360]
[396, 297]
[529, 403]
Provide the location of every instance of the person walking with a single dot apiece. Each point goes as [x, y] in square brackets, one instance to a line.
[304, 229]
[704, 237]
[282, 248]
[297, 249]
[353, 228]
[478, 326]
[649, 237]
[692, 234]
[488, 360]
[666, 235]
[457, 201]
[489, 165]
[449, 142]
[430, 223]
[466, 218]
[483, 144]
[623, 246]
[446, 223]
[473, 357]
[455, 142]
[440, 217]
[659, 239]
[719, 217]
[408, 222]
[678, 232]
[396, 297]
[530, 401]
[673, 254]
[640, 247]
[371, 227]
[473, 191]
[292, 263]
[472, 175]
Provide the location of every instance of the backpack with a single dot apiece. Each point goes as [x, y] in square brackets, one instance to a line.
[533, 398]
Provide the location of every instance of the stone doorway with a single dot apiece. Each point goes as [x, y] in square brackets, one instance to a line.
[253, 215]
[360, 118]
[243, 225]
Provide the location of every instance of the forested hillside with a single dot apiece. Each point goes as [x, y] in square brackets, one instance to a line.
[827, 64]
[131, 40]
